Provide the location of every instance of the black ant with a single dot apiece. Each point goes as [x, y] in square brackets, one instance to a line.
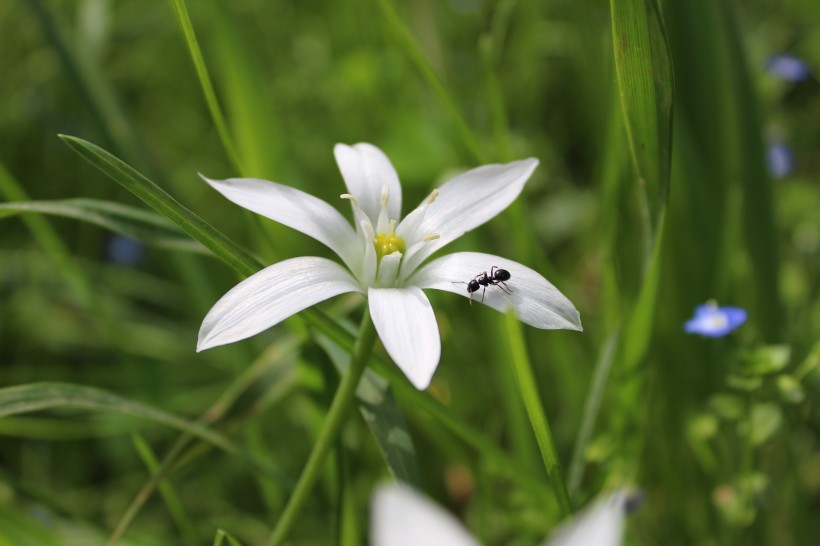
[496, 278]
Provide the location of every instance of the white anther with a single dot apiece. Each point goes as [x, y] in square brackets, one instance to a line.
[432, 197]
[392, 226]
[348, 196]
[431, 237]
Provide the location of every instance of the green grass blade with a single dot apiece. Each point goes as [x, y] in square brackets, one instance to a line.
[156, 198]
[184, 21]
[169, 495]
[535, 410]
[251, 109]
[644, 70]
[40, 396]
[48, 239]
[133, 222]
[408, 43]
[591, 409]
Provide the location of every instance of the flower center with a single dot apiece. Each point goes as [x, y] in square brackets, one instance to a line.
[388, 243]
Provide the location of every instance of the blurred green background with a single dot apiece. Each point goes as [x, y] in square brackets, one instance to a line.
[720, 434]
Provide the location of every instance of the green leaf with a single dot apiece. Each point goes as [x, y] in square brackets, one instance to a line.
[382, 414]
[767, 360]
[744, 382]
[136, 223]
[790, 389]
[156, 198]
[42, 396]
[727, 406]
[644, 71]
[764, 421]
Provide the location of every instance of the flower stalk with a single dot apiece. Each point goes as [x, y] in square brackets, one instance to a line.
[336, 417]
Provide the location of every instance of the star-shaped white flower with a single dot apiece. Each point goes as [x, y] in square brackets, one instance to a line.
[382, 256]
[400, 516]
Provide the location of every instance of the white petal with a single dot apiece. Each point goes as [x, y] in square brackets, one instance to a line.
[367, 171]
[464, 203]
[407, 326]
[601, 524]
[536, 301]
[296, 209]
[272, 295]
[388, 270]
[402, 517]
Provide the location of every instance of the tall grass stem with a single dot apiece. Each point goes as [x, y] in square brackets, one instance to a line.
[535, 411]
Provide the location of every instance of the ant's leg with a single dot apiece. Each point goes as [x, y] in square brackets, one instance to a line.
[482, 294]
[492, 271]
[509, 291]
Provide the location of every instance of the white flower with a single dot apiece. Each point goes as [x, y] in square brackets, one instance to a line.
[383, 255]
[402, 517]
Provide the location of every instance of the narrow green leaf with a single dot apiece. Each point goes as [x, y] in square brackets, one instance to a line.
[133, 222]
[169, 495]
[156, 198]
[411, 48]
[184, 21]
[41, 396]
[644, 70]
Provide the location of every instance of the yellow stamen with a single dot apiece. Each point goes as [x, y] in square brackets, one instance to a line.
[388, 244]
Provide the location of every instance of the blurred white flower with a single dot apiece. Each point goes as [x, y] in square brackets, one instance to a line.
[383, 255]
[400, 516]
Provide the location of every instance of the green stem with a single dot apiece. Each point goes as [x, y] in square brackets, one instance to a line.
[535, 410]
[336, 416]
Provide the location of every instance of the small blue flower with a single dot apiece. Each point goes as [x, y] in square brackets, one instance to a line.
[787, 67]
[779, 159]
[123, 250]
[713, 321]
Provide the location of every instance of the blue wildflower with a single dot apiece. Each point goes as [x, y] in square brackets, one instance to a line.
[780, 159]
[123, 250]
[787, 67]
[713, 321]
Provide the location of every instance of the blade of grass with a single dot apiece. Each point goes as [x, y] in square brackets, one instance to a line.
[535, 410]
[408, 44]
[644, 70]
[276, 355]
[132, 222]
[156, 198]
[175, 507]
[184, 21]
[591, 409]
[49, 241]
[40, 396]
